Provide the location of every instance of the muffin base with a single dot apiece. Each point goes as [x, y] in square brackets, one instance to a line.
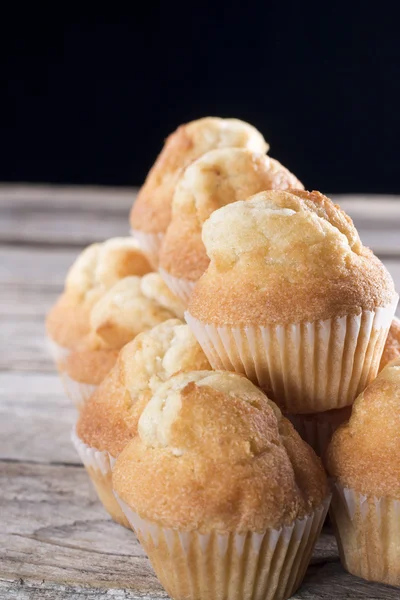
[99, 465]
[76, 391]
[249, 566]
[182, 288]
[304, 367]
[150, 243]
[317, 429]
[368, 534]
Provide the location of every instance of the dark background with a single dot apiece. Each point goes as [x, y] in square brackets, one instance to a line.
[90, 102]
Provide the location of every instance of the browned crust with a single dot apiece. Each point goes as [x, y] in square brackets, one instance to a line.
[308, 285]
[151, 211]
[67, 322]
[222, 177]
[104, 421]
[364, 454]
[90, 366]
[392, 346]
[109, 419]
[240, 469]
[222, 299]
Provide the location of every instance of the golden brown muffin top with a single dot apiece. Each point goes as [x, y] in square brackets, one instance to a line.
[286, 257]
[216, 179]
[109, 419]
[95, 270]
[100, 266]
[151, 212]
[90, 366]
[392, 346]
[213, 453]
[131, 306]
[364, 454]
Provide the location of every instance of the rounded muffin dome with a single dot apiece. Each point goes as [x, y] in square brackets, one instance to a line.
[364, 454]
[131, 306]
[216, 179]
[109, 419]
[214, 453]
[286, 257]
[94, 272]
[151, 212]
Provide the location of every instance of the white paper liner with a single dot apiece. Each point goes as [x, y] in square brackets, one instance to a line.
[150, 243]
[76, 391]
[315, 430]
[182, 288]
[304, 367]
[58, 353]
[368, 534]
[214, 566]
[101, 462]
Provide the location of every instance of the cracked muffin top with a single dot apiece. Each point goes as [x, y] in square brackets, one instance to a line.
[109, 419]
[151, 212]
[216, 179]
[286, 257]
[95, 270]
[213, 452]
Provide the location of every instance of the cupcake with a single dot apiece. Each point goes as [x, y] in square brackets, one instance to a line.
[317, 429]
[108, 420]
[92, 274]
[364, 460]
[223, 494]
[133, 305]
[392, 345]
[292, 299]
[216, 179]
[151, 212]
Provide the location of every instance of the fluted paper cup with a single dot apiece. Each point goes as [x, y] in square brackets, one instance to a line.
[182, 288]
[317, 429]
[368, 534]
[76, 391]
[98, 465]
[150, 243]
[304, 367]
[231, 566]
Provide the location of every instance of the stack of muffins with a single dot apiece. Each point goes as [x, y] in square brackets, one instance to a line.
[188, 430]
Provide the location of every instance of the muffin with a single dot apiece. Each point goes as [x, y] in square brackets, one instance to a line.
[392, 345]
[134, 304]
[151, 212]
[109, 419]
[292, 299]
[216, 179]
[223, 494]
[92, 274]
[364, 459]
[317, 429]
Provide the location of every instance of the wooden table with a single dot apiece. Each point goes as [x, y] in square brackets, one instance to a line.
[56, 541]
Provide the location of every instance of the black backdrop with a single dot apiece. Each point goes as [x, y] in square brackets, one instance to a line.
[91, 101]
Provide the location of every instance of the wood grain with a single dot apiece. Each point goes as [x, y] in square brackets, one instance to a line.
[53, 525]
[56, 540]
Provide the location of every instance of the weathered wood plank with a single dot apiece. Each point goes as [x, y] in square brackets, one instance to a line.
[55, 530]
[57, 542]
[57, 215]
[78, 216]
[36, 418]
[35, 267]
